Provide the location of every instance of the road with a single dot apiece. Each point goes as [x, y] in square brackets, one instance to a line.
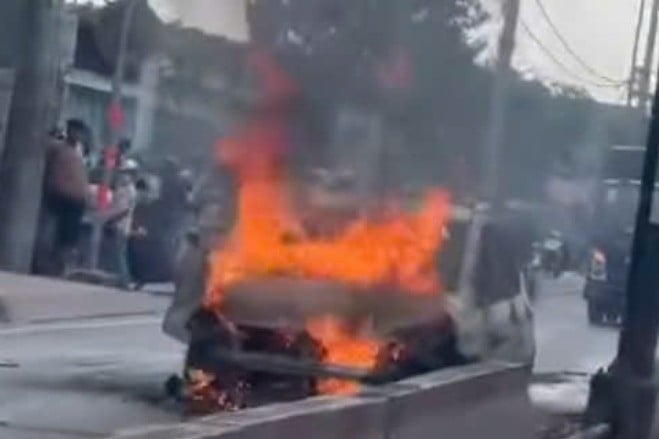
[93, 366]
[565, 340]
[111, 375]
[80, 361]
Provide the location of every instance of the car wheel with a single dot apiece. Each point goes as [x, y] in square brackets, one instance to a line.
[595, 314]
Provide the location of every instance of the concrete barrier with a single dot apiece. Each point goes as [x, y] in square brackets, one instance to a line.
[318, 418]
[481, 401]
[486, 400]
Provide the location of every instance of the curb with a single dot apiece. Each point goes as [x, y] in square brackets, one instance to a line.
[474, 401]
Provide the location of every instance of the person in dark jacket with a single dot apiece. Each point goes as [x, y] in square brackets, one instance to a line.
[67, 191]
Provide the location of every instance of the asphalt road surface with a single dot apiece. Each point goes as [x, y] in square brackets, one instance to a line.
[87, 373]
[80, 361]
[84, 378]
[565, 340]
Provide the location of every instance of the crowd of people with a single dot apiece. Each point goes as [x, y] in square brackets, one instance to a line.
[71, 210]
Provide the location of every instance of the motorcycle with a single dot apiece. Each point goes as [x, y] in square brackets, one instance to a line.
[553, 254]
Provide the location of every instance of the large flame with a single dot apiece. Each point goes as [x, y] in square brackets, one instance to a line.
[343, 348]
[396, 249]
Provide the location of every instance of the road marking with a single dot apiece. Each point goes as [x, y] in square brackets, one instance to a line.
[73, 326]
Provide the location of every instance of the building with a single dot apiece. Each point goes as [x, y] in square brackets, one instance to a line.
[181, 85]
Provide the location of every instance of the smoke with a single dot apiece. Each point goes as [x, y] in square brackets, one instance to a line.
[219, 17]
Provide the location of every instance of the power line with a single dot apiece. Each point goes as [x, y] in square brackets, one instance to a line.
[562, 65]
[571, 51]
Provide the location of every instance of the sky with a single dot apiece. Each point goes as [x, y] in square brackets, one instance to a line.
[226, 17]
[600, 32]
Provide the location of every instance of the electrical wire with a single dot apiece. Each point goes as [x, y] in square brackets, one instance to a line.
[562, 65]
[571, 51]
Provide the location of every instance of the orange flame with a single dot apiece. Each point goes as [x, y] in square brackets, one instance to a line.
[397, 249]
[342, 348]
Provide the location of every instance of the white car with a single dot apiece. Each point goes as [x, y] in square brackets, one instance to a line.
[481, 269]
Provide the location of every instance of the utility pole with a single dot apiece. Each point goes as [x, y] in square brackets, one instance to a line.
[633, 79]
[624, 396]
[115, 118]
[23, 163]
[645, 80]
[494, 133]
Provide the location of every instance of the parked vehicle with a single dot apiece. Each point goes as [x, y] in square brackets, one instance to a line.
[612, 232]
[608, 265]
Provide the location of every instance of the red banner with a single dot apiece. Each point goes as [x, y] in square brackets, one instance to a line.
[110, 163]
[116, 117]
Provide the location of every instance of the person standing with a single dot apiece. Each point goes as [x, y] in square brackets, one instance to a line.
[119, 223]
[173, 193]
[67, 192]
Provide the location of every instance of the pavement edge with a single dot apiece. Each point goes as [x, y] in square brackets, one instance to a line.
[458, 402]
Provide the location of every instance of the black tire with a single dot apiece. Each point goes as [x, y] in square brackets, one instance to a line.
[595, 314]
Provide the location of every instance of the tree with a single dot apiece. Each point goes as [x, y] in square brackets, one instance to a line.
[415, 62]
[412, 60]
[443, 114]
[546, 123]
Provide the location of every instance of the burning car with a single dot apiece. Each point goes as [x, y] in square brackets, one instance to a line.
[323, 309]
[315, 290]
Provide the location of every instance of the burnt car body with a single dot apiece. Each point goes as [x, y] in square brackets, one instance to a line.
[490, 313]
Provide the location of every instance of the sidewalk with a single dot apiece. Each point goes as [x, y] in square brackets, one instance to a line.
[26, 300]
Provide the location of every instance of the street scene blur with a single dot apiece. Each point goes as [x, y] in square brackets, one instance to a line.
[329, 219]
